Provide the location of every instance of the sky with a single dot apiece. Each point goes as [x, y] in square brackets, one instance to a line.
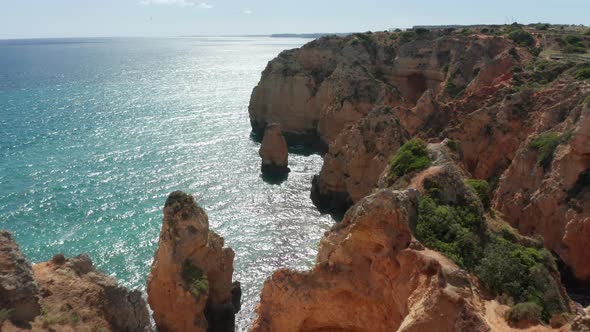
[111, 18]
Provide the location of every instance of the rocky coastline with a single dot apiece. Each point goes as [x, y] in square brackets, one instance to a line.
[460, 161]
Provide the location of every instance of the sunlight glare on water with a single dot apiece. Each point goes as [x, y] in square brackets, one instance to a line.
[95, 133]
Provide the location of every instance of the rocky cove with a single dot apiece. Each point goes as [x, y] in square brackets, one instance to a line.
[459, 159]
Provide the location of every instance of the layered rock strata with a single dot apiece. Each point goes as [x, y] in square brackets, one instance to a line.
[356, 158]
[493, 97]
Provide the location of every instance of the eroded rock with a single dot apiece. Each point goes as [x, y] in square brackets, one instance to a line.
[18, 289]
[274, 151]
[190, 284]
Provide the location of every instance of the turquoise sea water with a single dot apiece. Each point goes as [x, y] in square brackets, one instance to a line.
[94, 133]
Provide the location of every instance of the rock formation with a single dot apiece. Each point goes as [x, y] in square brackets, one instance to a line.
[18, 289]
[65, 295]
[487, 93]
[372, 276]
[190, 284]
[273, 151]
[553, 200]
[317, 90]
[356, 158]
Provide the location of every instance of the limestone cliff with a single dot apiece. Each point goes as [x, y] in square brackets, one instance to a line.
[356, 158]
[370, 276]
[373, 272]
[190, 284]
[64, 294]
[496, 96]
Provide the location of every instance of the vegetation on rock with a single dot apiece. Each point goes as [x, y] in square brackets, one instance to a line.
[522, 38]
[194, 278]
[545, 144]
[482, 189]
[412, 156]
[5, 314]
[505, 267]
[527, 311]
[451, 230]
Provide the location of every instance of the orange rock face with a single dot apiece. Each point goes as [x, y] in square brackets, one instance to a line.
[190, 283]
[487, 94]
[69, 294]
[18, 289]
[368, 278]
[273, 150]
[554, 201]
[317, 90]
[356, 158]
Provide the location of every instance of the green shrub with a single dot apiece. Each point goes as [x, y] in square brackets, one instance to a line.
[412, 156]
[574, 49]
[453, 145]
[522, 38]
[525, 311]
[545, 144]
[542, 26]
[407, 36]
[505, 267]
[454, 90]
[451, 230]
[368, 43]
[587, 32]
[194, 278]
[573, 39]
[482, 189]
[5, 314]
[583, 74]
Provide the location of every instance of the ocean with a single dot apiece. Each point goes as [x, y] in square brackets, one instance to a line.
[95, 133]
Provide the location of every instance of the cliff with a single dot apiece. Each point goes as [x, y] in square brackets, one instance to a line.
[375, 271]
[516, 115]
[64, 294]
[512, 125]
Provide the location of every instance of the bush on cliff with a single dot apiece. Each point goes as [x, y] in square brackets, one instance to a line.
[522, 38]
[545, 144]
[451, 230]
[195, 280]
[482, 189]
[412, 156]
[527, 311]
[504, 266]
[523, 273]
[5, 314]
[583, 74]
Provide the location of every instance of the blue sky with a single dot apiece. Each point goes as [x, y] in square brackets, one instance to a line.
[76, 18]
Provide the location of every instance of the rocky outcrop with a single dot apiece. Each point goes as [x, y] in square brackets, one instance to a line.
[65, 294]
[75, 294]
[18, 289]
[553, 199]
[371, 275]
[480, 89]
[274, 151]
[190, 284]
[316, 91]
[356, 158]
